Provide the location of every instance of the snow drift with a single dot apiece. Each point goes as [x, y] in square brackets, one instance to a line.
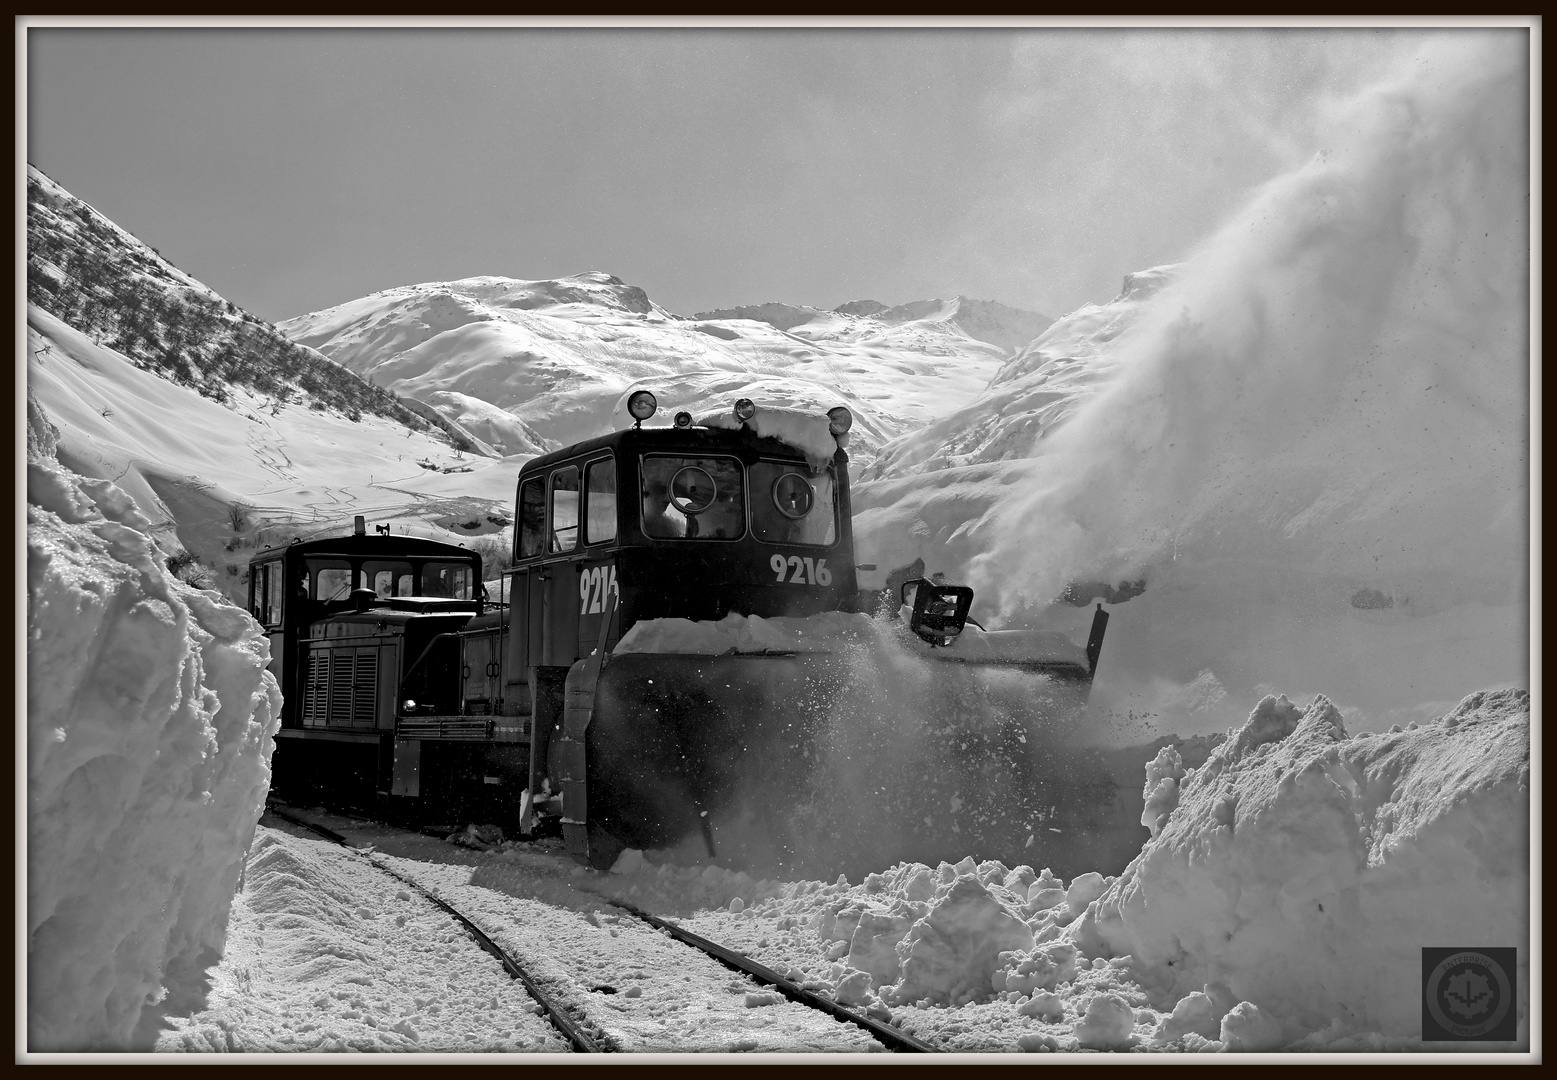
[149, 722]
[1291, 881]
[1303, 871]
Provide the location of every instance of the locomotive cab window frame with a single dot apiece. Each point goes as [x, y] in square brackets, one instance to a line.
[388, 577]
[447, 579]
[600, 497]
[692, 497]
[563, 525]
[266, 593]
[530, 533]
[329, 580]
[792, 505]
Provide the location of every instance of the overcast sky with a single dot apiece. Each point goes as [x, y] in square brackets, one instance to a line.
[294, 169]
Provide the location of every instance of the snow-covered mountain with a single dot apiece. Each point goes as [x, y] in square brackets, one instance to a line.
[560, 356]
[95, 276]
[227, 435]
[959, 319]
[1031, 393]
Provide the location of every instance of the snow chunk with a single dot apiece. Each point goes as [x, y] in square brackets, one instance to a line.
[1109, 1023]
[1161, 793]
[1193, 1013]
[1247, 1028]
[955, 949]
[1303, 870]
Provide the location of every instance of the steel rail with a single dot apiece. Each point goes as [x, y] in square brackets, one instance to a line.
[565, 1024]
[884, 1033]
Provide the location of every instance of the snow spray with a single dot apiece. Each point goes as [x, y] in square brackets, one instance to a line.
[1328, 412]
[1340, 375]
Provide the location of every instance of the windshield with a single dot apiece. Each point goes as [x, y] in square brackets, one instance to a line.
[698, 498]
[792, 505]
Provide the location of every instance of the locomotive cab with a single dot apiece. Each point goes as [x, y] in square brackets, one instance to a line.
[346, 617]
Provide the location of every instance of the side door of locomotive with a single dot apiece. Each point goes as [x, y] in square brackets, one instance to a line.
[596, 569]
[556, 586]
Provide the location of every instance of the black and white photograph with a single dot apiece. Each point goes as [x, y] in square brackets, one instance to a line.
[725, 539]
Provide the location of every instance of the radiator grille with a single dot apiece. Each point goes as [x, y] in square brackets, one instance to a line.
[340, 688]
[365, 688]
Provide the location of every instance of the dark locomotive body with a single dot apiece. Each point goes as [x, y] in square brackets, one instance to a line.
[410, 692]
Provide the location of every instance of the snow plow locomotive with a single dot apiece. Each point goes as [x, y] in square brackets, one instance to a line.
[680, 654]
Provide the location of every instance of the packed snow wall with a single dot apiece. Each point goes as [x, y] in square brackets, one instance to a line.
[149, 721]
[1303, 871]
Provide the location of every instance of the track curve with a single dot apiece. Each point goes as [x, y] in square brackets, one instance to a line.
[581, 1042]
[888, 1036]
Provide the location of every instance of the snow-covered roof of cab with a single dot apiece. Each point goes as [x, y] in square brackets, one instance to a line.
[809, 433]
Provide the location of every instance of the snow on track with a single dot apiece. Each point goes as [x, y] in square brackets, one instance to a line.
[381, 968]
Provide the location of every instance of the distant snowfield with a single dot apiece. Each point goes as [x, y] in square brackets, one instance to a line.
[561, 356]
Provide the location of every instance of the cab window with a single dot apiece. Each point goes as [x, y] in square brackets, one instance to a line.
[695, 498]
[387, 579]
[532, 517]
[600, 501]
[332, 580]
[564, 510]
[265, 593]
[792, 505]
[445, 579]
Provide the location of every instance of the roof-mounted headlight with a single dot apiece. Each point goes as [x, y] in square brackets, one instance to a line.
[641, 405]
[839, 420]
[745, 409]
[683, 419]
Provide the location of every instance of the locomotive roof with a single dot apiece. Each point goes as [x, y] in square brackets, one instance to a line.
[665, 438]
[372, 545]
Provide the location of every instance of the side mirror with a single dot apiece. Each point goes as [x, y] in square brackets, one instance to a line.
[940, 611]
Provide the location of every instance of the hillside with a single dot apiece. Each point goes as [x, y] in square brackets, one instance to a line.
[1032, 393]
[96, 277]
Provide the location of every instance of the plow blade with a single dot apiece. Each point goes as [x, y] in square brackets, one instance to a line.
[849, 761]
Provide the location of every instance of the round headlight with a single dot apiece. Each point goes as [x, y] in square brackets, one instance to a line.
[744, 409]
[839, 420]
[641, 405]
[408, 705]
[692, 490]
[792, 495]
[683, 419]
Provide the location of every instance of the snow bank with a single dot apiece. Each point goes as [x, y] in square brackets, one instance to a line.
[149, 722]
[1301, 871]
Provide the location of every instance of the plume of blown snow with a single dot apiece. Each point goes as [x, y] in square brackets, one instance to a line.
[1336, 384]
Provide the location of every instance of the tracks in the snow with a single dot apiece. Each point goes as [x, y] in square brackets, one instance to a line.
[565, 1024]
[885, 1034]
[572, 1028]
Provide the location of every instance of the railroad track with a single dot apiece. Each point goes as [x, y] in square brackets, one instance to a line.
[571, 1028]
